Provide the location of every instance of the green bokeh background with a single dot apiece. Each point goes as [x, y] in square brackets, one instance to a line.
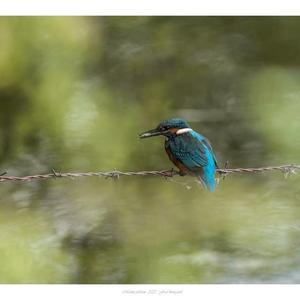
[74, 94]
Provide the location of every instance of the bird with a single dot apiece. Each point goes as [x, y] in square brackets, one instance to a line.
[190, 151]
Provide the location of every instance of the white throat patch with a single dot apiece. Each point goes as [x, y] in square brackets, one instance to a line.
[183, 130]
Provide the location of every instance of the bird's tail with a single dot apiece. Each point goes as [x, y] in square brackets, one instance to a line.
[207, 179]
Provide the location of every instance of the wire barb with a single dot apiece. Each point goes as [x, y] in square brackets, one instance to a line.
[287, 170]
[55, 174]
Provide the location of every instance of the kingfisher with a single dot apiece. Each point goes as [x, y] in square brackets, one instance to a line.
[190, 151]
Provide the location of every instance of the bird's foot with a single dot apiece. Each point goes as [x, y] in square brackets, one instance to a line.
[172, 173]
[181, 173]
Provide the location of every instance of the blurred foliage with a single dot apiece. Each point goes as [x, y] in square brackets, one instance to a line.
[76, 91]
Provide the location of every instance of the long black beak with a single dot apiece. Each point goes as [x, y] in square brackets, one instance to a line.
[150, 133]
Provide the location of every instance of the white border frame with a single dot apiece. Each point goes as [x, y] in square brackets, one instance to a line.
[149, 7]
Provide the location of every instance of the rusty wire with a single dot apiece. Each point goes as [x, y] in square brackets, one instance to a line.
[286, 169]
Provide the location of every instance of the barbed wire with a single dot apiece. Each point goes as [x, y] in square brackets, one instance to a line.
[285, 169]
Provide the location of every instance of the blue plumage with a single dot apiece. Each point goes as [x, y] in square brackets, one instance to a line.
[188, 150]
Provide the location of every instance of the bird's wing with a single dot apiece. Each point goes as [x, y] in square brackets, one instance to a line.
[189, 150]
[208, 145]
